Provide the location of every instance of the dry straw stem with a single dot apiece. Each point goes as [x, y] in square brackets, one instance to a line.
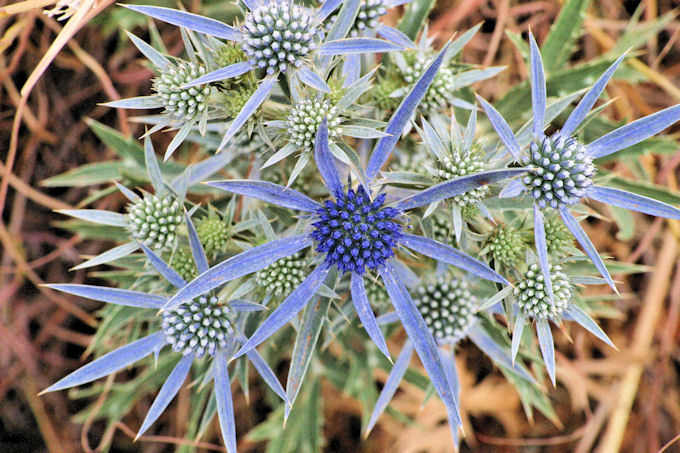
[643, 336]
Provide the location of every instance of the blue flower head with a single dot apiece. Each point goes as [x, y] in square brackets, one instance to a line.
[355, 232]
[450, 309]
[560, 169]
[277, 36]
[202, 326]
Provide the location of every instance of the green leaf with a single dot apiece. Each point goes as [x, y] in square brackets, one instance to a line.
[86, 175]
[563, 34]
[415, 16]
[645, 189]
[125, 147]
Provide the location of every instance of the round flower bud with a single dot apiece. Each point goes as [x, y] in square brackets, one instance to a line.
[183, 103]
[382, 91]
[236, 97]
[214, 235]
[506, 245]
[283, 276]
[154, 220]
[183, 263]
[367, 17]
[532, 295]
[562, 171]
[278, 33]
[558, 238]
[197, 327]
[458, 164]
[306, 117]
[227, 55]
[448, 308]
[441, 88]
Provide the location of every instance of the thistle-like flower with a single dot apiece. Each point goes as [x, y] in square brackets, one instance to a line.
[280, 278]
[278, 36]
[505, 245]
[561, 170]
[531, 293]
[533, 304]
[214, 234]
[449, 309]
[183, 106]
[184, 103]
[153, 220]
[203, 326]
[183, 263]
[354, 232]
[305, 118]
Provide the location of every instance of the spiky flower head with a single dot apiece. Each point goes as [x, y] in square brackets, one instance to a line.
[447, 306]
[563, 171]
[558, 238]
[199, 326]
[214, 235]
[183, 103]
[306, 117]
[355, 232]
[532, 295]
[382, 92]
[154, 220]
[506, 245]
[278, 33]
[228, 54]
[283, 276]
[457, 164]
[183, 262]
[236, 98]
[442, 86]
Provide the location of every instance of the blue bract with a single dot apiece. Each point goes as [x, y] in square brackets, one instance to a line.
[355, 232]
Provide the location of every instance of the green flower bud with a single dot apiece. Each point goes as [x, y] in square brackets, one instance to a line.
[183, 103]
[154, 220]
[506, 245]
[532, 295]
[214, 235]
[283, 276]
[448, 308]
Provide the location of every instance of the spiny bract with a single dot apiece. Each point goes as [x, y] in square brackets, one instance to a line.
[355, 232]
[197, 327]
[561, 171]
[532, 295]
[153, 220]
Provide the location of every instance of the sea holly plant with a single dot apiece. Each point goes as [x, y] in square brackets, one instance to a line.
[560, 169]
[450, 310]
[203, 327]
[277, 36]
[347, 207]
[353, 232]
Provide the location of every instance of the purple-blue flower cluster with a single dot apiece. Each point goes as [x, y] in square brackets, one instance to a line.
[355, 232]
